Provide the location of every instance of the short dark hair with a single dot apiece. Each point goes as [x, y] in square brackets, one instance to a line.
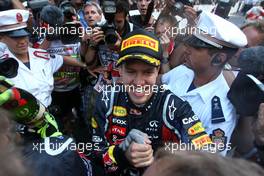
[167, 18]
[122, 7]
[5, 5]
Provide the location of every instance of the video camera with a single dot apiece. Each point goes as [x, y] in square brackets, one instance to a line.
[37, 5]
[29, 113]
[63, 21]
[247, 90]
[109, 29]
[70, 15]
[8, 67]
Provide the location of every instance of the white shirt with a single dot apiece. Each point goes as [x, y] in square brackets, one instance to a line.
[38, 80]
[179, 80]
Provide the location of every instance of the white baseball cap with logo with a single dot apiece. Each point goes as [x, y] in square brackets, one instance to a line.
[13, 22]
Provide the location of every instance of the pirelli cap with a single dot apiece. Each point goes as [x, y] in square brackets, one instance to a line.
[140, 45]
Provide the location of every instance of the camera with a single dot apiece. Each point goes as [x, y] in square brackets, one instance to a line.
[68, 10]
[246, 94]
[109, 29]
[8, 66]
[72, 28]
[72, 34]
[247, 90]
[178, 7]
[62, 20]
[37, 4]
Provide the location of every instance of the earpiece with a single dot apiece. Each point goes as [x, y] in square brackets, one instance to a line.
[216, 61]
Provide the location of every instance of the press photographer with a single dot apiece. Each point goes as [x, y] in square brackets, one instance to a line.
[109, 29]
[67, 79]
[99, 57]
[247, 95]
[104, 37]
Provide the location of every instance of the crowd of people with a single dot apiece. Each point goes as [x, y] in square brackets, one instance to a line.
[130, 87]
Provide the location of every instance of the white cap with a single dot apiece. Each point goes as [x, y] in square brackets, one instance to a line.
[14, 19]
[219, 32]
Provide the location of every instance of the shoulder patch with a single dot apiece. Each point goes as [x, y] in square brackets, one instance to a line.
[41, 54]
[219, 138]
[217, 111]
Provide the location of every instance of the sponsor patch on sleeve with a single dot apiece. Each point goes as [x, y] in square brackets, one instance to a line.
[94, 123]
[196, 129]
[201, 141]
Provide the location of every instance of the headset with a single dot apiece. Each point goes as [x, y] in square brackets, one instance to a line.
[216, 60]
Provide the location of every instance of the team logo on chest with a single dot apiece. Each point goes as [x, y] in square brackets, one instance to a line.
[119, 121]
[119, 111]
[152, 129]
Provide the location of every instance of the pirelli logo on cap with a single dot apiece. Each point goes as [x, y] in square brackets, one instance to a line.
[142, 41]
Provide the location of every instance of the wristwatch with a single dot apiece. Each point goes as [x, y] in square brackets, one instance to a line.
[92, 45]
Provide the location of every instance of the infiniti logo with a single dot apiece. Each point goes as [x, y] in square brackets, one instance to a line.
[153, 123]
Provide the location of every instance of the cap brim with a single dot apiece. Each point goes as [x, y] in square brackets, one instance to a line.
[145, 58]
[17, 33]
[196, 42]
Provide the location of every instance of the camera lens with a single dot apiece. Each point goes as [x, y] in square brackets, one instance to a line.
[8, 67]
[111, 38]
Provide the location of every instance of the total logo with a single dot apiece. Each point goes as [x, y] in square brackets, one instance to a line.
[189, 120]
[118, 130]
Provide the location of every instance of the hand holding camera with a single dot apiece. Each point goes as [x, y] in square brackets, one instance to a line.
[96, 37]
